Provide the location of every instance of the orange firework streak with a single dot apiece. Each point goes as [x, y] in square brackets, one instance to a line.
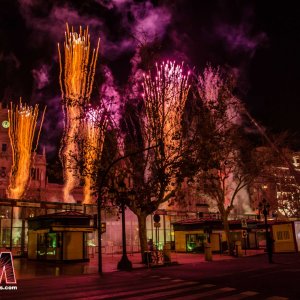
[23, 122]
[95, 125]
[76, 79]
[165, 98]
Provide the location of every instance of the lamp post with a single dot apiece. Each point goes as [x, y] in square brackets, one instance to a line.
[122, 196]
[264, 207]
[102, 177]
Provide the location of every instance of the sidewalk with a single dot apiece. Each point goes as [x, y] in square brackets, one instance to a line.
[30, 269]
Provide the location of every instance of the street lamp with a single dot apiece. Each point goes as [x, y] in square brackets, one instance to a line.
[122, 196]
[264, 207]
[102, 177]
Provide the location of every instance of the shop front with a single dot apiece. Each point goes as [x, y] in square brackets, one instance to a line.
[193, 234]
[59, 237]
[286, 236]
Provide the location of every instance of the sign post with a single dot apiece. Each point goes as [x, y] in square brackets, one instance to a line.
[244, 235]
[244, 232]
[156, 219]
[244, 223]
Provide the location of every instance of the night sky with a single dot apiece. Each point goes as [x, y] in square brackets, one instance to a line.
[258, 40]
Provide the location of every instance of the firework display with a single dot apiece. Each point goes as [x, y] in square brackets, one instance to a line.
[23, 124]
[95, 125]
[165, 96]
[217, 97]
[77, 71]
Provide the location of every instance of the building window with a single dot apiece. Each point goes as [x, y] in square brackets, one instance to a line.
[35, 174]
[4, 147]
[283, 235]
[3, 172]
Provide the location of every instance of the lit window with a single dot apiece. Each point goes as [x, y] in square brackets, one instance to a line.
[3, 172]
[283, 235]
[33, 173]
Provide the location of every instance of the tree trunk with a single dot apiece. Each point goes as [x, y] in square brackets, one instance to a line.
[227, 232]
[143, 234]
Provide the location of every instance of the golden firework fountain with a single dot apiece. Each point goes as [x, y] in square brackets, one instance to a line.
[23, 125]
[22, 130]
[77, 71]
[95, 125]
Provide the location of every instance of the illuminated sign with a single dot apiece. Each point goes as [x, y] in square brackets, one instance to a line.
[51, 205]
[29, 204]
[244, 223]
[7, 268]
[76, 229]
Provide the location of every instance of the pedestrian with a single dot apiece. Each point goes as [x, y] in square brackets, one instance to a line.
[150, 245]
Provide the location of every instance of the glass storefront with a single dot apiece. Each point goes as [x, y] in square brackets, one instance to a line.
[49, 246]
[14, 231]
[195, 242]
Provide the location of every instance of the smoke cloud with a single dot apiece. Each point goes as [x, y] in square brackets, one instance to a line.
[41, 76]
[140, 23]
[53, 125]
[10, 58]
[109, 95]
[239, 38]
[123, 25]
[52, 26]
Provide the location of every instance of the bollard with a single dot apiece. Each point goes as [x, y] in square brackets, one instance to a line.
[238, 248]
[207, 252]
[147, 260]
[167, 252]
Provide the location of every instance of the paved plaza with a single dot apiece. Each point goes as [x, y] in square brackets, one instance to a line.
[228, 278]
[29, 269]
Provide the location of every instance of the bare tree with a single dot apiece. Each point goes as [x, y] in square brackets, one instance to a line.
[226, 161]
[156, 123]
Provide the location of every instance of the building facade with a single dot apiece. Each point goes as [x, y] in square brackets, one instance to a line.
[43, 197]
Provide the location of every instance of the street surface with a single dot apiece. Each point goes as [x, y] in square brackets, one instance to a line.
[241, 278]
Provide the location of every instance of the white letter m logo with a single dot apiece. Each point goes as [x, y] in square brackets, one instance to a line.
[7, 268]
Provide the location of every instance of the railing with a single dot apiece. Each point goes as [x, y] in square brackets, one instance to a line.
[112, 249]
[154, 257]
[157, 257]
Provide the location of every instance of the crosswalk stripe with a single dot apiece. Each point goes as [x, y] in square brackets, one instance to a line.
[176, 291]
[138, 291]
[265, 273]
[98, 286]
[277, 298]
[205, 294]
[74, 286]
[240, 295]
[177, 280]
[181, 290]
[146, 287]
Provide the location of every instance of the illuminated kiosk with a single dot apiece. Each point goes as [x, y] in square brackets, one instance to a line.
[59, 237]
